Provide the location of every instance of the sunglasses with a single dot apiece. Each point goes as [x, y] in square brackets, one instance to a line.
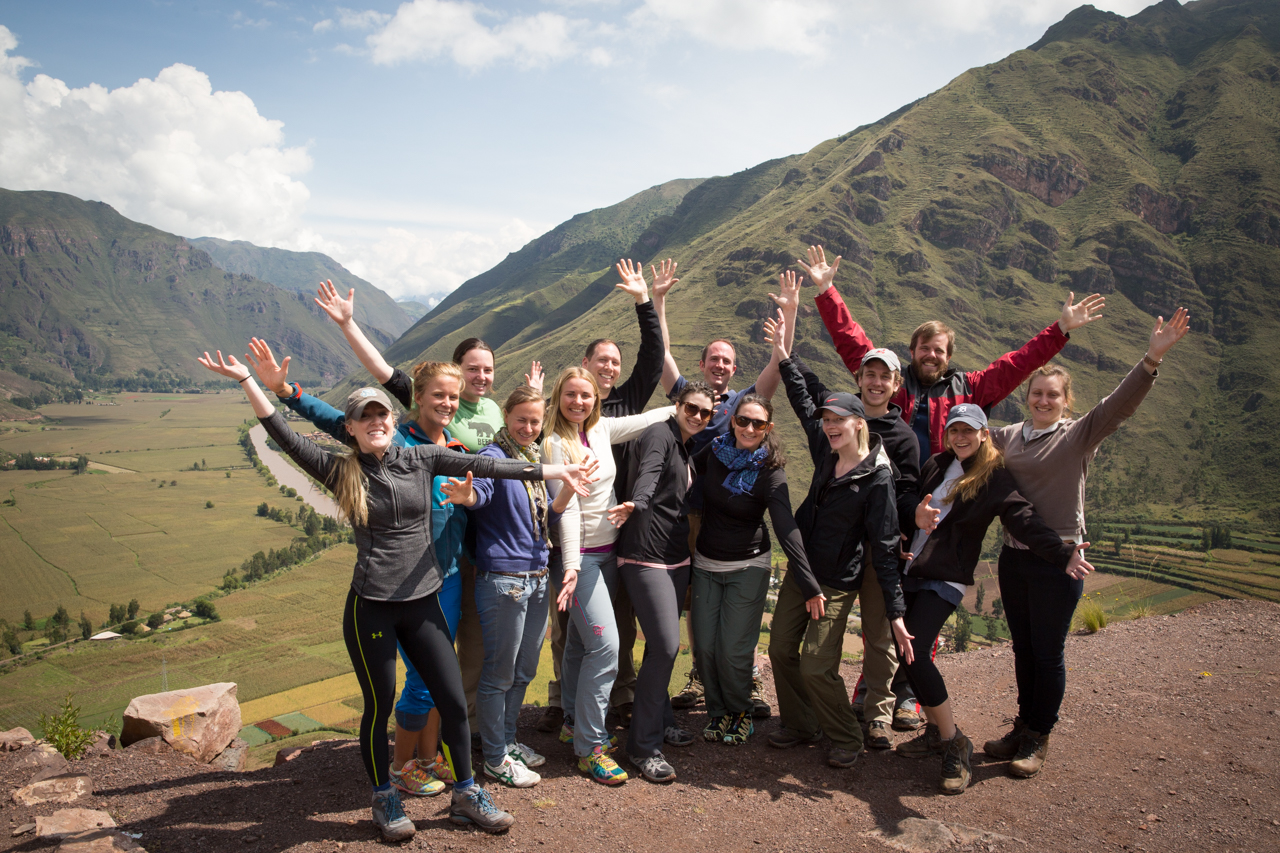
[693, 410]
[743, 422]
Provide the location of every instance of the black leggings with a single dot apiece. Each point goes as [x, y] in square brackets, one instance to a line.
[371, 630]
[927, 612]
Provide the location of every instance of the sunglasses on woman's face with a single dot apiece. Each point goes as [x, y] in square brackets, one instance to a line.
[743, 422]
[693, 410]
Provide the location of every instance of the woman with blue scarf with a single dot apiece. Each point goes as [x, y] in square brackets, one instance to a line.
[742, 474]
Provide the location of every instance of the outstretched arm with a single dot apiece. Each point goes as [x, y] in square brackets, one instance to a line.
[637, 388]
[236, 371]
[276, 377]
[788, 301]
[341, 311]
[664, 276]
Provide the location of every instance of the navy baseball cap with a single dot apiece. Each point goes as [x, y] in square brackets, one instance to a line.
[967, 413]
[843, 404]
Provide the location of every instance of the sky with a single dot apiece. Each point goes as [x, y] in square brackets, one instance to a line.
[420, 142]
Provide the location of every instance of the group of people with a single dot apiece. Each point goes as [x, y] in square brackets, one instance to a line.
[473, 522]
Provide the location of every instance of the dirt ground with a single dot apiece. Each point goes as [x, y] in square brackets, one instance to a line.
[1169, 741]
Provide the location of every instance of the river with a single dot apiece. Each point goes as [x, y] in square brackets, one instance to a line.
[290, 476]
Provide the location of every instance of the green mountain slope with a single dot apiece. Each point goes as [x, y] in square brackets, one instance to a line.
[1139, 157]
[88, 297]
[302, 272]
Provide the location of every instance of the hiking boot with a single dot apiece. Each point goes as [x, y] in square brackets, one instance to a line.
[676, 736]
[655, 768]
[602, 768]
[925, 745]
[389, 816]
[878, 736]
[738, 728]
[512, 773]
[785, 738]
[956, 770]
[526, 756]
[623, 715]
[760, 708]
[843, 758]
[552, 718]
[416, 779]
[691, 694]
[1007, 746]
[905, 718]
[714, 730]
[474, 805]
[1030, 756]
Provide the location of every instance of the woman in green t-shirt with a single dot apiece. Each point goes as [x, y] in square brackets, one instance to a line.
[479, 418]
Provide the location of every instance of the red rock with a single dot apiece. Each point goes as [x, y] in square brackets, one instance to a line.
[43, 759]
[66, 788]
[287, 755]
[150, 746]
[15, 739]
[66, 822]
[200, 721]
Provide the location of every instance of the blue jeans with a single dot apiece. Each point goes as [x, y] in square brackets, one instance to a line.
[513, 623]
[415, 701]
[590, 651]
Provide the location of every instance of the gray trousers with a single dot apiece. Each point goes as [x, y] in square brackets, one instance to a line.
[656, 595]
[727, 610]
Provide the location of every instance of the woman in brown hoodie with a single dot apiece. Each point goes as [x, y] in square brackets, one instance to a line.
[1049, 456]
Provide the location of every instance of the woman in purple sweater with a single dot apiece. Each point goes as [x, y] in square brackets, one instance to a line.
[1049, 457]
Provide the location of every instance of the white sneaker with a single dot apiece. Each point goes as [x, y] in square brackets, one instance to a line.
[525, 755]
[512, 773]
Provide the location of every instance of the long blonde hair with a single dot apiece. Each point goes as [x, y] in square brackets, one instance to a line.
[986, 459]
[349, 488]
[561, 426]
[424, 372]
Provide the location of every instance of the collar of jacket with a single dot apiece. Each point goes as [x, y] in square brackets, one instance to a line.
[944, 461]
[894, 413]
[876, 458]
[675, 430]
[392, 454]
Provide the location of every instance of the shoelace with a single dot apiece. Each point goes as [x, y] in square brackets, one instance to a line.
[483, 802]
[392, 810]
[1026, 748]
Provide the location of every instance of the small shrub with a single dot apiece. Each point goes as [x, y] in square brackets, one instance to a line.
[208, 504]
[1090, 616]
[63, 731]
[1141, 610]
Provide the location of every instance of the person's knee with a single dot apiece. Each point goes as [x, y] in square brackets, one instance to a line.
[818, 666]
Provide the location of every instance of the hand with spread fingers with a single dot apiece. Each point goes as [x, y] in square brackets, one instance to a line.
[535, 377]
[819, 271]
[273, 376]
[619, 514]
[1079, 566]
[664, 275]
[632, 280]
[339, 310]
[1164, 336]
[459, 492]
[1081, 313]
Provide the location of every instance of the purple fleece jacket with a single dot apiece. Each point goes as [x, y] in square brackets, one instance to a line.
[503, 520]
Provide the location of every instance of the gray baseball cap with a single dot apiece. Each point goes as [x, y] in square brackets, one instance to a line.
[967, 413]
[361, 397]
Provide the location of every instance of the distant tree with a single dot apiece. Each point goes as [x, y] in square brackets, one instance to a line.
[964, 629]
[312, 525]
[1220, 536]
[155, 620]
[263, 509]
[288, 516]
[997, 607]
[205, 610]
[204, 466]
[86, 627]
[116, 614]
[134, 606]
[82, 463]
[62, 617]
[54, 632]
[173, 482]
[982, 594]
[208, 504]
[11, 641]
[27, 621]
[130, 627]
[228, 475]
[330, 524]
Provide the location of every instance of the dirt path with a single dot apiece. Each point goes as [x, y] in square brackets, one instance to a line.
[1168, 742]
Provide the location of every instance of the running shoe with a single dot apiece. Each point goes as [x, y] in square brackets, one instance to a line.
[475, 805]
[655, 768]
[602, 768]
[738, 729]
[389, 816]
[441, 770]
[512, 773]
[415, 778]
[524, 754]
[714, 730]
[691, 694]
[676, 736]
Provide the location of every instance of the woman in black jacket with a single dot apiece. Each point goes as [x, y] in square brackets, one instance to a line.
[742, 478]
[850, 505]
[967, 487]
[653, 563]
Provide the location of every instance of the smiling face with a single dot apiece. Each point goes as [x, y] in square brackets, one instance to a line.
[929, 358]
[718, 366]
[1047, 400]
[964, 440]
[524, 422]
[878, 385]
[689, 415]
[577, 400]
[438, 402]
[477, 374]
[841, 432]
[373, 429]
[751, 436]
[605, 364]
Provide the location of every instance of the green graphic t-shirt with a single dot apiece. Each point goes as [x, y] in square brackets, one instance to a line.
[476, 424]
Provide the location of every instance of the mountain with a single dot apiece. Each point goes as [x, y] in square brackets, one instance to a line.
[90, 298]
[415, 310]
[302, 272]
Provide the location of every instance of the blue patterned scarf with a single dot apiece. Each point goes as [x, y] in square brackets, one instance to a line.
[743, 465]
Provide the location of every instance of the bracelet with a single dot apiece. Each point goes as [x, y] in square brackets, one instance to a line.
[1150, 362]
[247, 377]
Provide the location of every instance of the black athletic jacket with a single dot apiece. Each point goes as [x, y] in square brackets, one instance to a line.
[952, 549]
[840, 515]
[658, 529]
[631, 396]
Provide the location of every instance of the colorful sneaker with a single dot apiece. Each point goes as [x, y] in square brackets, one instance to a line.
[389, 816]
[760, 707]
[738, 729]
[691, 694]
[525, 755]
[655, 768]
[566, 730]
[676, 736]
[601, 768]
[924, 745]
[1005, 747]
[415, 778]
[714, 730]
[474, 805]
[956, 770]
[878, 736]
[512, 773]
[440, 769]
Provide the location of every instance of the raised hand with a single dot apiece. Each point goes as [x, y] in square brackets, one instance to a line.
[927, 516]
[619, 514]
[460, 492]
[816, 606]
[274, 376]
[229, 367]
[789, 297]
[1081, 313]
[568, 584]
[664, 275]
[775, 333]
[1078, 567]
[906, 652]
[339, 310]
[820, 273]
[535, 376]
[1164, 337]
[632, 280]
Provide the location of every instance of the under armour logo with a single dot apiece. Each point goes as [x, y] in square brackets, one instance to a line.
[378, 636]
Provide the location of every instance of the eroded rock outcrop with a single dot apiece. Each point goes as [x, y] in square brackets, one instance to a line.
[1051, 178]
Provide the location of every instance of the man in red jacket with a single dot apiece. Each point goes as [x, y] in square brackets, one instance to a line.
[930, 386]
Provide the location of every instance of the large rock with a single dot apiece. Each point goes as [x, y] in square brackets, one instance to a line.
[234, 758]
[44, 760]
[199, 722]
[66, 788]
[15, 739]
[100, 841]
[71, 821]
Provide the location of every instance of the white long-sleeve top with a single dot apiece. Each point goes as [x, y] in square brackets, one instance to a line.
[585, 522]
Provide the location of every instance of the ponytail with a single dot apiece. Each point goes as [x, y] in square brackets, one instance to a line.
[349, 490]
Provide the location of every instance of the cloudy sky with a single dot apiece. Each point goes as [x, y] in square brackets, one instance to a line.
[419, 142]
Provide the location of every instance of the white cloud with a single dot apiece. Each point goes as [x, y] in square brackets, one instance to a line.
[170, 152]
[322, 26]
[366, 20]
[791, 26]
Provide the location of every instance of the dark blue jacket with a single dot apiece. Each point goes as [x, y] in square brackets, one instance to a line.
[506, 540]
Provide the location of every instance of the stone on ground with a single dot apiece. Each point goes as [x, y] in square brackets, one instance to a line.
[200, 721]
[100, 841]
[234, 758]
[66, 788]
[66, 822]
[15, 739]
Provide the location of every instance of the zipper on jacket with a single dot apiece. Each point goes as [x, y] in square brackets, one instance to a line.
[391, 484]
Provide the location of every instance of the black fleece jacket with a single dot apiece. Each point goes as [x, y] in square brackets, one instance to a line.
[952, 549]
[660, 473]
[843, 514]
[630, 396]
